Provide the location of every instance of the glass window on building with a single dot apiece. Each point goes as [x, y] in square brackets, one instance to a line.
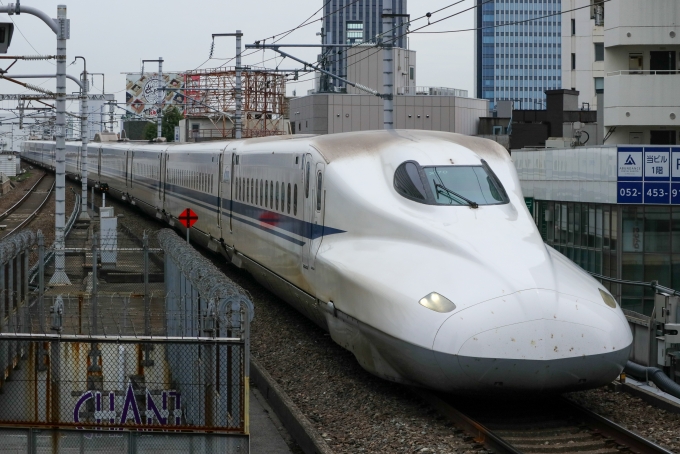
[599, 51]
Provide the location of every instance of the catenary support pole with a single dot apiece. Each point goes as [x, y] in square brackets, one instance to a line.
[60, 277]
[160, 97]
[239, 90]
[388, 68]
[84, 138]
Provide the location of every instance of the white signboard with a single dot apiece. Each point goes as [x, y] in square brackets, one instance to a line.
[657, 164]
[675, 164]
[630, 164]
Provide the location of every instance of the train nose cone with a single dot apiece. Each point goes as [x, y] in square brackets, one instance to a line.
[535, 339]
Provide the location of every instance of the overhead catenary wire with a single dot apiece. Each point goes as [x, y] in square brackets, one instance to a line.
[559, 13]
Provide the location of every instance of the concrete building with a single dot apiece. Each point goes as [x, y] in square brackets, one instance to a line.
[583, 50]
[562, 121]
[354, 22]
[633, 45]
[641, 98]
[517, 51]
[415, 107]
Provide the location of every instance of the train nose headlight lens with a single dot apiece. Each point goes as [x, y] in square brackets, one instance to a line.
[608, 299]
[434, 301]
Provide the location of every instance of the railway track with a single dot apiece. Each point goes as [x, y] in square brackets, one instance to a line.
[25, 210]
[549, 426]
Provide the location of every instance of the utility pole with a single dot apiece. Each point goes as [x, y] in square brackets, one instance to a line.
[84, 138]
[238, 117]
[388, 69]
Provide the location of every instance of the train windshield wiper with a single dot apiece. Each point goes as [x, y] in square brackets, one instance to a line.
[446, 192]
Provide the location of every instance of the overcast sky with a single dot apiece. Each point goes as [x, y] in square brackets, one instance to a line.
[116, 35]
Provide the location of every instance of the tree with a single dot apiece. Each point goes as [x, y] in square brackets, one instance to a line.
[171, 118]
[150, 131]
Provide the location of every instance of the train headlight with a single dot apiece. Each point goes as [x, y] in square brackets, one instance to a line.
[438, 303]
[608, 299]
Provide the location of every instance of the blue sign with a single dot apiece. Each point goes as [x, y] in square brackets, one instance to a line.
[648, 175]
[675, 193]
[629, 192]
[658, 193]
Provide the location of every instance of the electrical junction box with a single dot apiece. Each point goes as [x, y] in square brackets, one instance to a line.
[108, 237]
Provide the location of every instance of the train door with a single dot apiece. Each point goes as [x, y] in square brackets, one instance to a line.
[99, 165]
[222, 182]
[129, 166]
[127, 175]
[313, 210]
[161, 179]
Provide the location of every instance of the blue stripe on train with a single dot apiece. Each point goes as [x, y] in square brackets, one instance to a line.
[292, 225]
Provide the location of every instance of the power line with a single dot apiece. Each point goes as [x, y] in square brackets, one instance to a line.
[516, 22]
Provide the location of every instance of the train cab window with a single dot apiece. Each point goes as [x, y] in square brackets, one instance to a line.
[288, 206]
[295, 201]
[450, 185]
[277, 196]
[319, 186]
[408, 182]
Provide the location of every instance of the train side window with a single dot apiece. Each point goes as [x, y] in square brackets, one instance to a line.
[257, 187]
[307, 176]
[319, 185]
[252, 190]
[277, 196]
[266, 193]
[247, 190]
[283, 197]
[261, 192]
[271, 194]
[288, 206]
[295, 201]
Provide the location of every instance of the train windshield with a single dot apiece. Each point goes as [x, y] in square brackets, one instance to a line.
[450, 185]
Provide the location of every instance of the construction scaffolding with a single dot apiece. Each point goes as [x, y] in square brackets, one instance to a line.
[211, 94]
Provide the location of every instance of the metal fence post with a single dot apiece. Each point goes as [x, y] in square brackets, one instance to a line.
[94, 300]
[93, 297]
[41, 278]
[147, 308]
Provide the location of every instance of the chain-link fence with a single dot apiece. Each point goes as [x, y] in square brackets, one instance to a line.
[149, 335]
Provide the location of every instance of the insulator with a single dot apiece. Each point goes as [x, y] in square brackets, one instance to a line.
[38, 57]
[212, 48]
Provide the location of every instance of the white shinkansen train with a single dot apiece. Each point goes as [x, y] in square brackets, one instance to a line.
[413, 249]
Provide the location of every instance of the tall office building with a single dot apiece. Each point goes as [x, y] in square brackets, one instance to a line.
[355, 22]
[517, 51]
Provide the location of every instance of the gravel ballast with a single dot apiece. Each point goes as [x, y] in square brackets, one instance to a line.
[633, 413]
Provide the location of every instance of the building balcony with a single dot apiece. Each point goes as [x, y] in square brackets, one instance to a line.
[642, 98]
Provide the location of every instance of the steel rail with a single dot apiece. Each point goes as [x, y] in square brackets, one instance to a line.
[495, 442]
[18, 204]
[479, 431]
[620, 434]
[32, 216]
